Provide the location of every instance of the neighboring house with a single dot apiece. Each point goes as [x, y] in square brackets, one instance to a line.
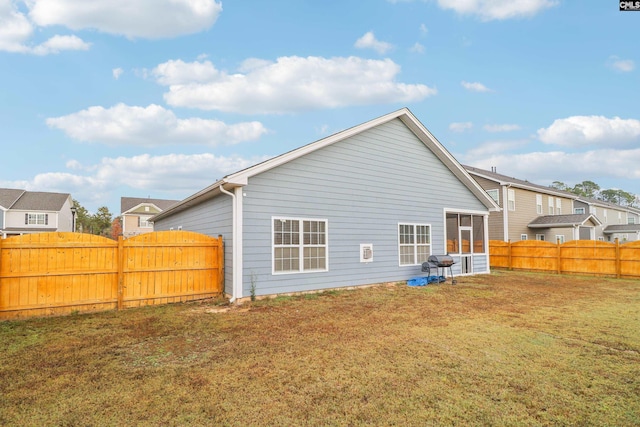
[618, 222]
[25, 212]
[531, 211]
[135, 214]
[366, 205]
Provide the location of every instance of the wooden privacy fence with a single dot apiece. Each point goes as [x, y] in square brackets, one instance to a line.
[57, 273]
[589, 257]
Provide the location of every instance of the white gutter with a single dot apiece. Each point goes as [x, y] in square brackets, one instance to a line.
[236, 227]
[505, 210]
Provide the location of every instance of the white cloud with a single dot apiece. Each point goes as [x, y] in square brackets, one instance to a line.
[622, 65]
[423, 29]
[578, 131]
[179, 72]
[58, 43]
[176, 175]
[417, 48]
[545, 167]
[489, 10]
[151, 126]
[290, 84]
[460, 126]
[141, 18]
[15, 28]
[492, 147]
[501, 128]
[369, 41]
[475, 87]
[16, 31]
[117, 72]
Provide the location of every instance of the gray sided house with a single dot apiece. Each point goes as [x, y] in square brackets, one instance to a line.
[25, 212]
[616, 222]
[366, 205]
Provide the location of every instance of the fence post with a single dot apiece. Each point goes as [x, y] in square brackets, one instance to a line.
[618, 261]
[558, 258]
[221, 264]
[120, 257]
[509, 254]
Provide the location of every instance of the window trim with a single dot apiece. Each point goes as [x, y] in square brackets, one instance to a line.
[511, 199]
[415, 244]
[579, 211]
[496, 192]
[524, 237]
[300, 245]
[39, 218]
[539, 204]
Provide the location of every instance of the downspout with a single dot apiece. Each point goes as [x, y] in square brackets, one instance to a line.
[505, 212]
[236, 269]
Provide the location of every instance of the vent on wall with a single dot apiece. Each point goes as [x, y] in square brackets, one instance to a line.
[366, 252]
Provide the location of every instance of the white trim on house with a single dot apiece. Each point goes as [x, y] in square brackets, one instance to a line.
[415, 244]
[300, 245]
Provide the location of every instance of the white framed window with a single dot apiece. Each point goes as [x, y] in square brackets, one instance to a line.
[540, 237]
[539, 204]
[524, 237]
[601, 239]
[414, 243]
[550, 205]
[511, 199]
[619, 217]
[36, 219]
[604, 214]
[143, 222]
[495, 195]
[593, 210]
[559, 238]
[631, 220]
[558, 206]
[299, 245]
[578, 211]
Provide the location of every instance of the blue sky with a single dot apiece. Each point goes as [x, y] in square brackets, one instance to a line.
[160, 98]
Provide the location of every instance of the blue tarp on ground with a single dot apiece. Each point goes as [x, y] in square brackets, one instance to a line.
[425, 280]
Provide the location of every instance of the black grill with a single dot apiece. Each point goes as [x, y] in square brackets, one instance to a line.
[441, 260]
[438, 262]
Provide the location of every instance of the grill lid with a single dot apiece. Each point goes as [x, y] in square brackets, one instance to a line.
[441, 260]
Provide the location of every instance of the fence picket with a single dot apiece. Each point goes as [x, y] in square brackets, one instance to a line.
[58, 273]
[589, 257]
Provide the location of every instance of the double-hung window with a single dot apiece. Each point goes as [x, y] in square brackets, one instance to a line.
[539, 204]
[143, 222]
[511, 199]
[299, 245]
[414, 243]
[36, 219]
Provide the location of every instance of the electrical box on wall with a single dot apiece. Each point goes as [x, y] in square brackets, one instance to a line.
[366, 252]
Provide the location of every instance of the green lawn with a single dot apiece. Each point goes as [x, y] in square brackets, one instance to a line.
[506, 349]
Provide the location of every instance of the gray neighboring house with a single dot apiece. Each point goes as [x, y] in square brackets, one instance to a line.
[366, 205]
[617, 222]
[25, 212]
[531, 211]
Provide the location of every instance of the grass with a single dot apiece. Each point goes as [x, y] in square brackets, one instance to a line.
[503, 349]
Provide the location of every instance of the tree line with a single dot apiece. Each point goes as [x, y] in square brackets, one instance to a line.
[100, 223]
[592, 190]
